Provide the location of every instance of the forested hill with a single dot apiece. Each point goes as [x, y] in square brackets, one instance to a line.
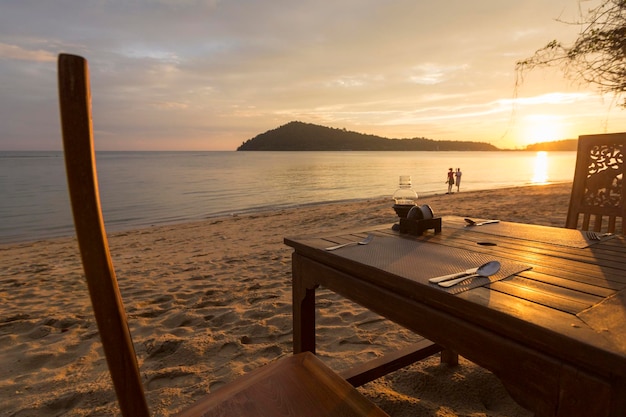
[556, 146]
[299, 136]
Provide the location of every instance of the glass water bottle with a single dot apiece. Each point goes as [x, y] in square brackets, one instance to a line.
[405, 196]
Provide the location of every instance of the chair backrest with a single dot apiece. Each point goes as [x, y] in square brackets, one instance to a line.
[80, 165]
[598, 191]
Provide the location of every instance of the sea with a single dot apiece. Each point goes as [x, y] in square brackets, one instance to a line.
[140, 189]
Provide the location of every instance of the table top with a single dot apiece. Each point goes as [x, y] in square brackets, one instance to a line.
[558, 292]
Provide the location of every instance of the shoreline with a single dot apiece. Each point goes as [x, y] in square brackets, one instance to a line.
[209, 300]
[122, 228]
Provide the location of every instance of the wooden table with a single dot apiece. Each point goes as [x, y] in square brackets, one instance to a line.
[555, 334]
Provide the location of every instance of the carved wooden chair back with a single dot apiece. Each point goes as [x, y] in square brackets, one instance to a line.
[298, 385]
[598, 191]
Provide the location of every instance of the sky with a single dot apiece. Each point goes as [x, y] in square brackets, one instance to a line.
[211, 74]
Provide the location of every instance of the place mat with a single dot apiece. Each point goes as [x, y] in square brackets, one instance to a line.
[419, 260]
[553, 235]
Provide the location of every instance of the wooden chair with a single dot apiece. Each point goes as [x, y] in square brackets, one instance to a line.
[598, 191]
[297, 385]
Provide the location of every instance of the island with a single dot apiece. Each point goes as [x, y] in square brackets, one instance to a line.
[300, 136]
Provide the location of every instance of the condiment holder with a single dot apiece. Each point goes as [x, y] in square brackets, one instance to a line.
[414, 219]
[420, 219]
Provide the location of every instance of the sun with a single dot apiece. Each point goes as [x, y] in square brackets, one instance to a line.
[543, 128]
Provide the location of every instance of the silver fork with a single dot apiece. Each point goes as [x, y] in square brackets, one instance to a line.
[592, 235]
[595, 235]
[365, 241]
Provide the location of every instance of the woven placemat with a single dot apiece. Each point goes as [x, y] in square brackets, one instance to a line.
[420, 260]
[553, 235]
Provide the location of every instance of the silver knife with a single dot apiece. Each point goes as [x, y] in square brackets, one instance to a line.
[452, 276]
[482, 223]
[488, 222]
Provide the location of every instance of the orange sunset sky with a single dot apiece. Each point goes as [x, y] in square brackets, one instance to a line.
[211, 74]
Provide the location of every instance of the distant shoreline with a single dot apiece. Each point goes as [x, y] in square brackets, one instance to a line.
[379, 201]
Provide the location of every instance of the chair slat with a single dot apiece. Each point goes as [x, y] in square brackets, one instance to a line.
[611, 226]
[75, 105]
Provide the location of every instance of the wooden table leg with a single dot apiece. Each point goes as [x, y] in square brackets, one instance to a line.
[449, 357]
[303, 309]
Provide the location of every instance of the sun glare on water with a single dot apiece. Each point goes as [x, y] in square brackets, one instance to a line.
[540, 173]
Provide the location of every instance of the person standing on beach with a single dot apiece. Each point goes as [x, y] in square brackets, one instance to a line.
[450, 180]
[457, 177]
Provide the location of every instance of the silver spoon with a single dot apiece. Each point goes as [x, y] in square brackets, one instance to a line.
[365, 241]
[485, 270]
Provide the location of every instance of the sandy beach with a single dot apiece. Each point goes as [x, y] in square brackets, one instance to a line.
[209, 301]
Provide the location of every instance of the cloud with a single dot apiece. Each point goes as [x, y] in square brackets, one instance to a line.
[21, 54]
[430, 73]
[553, 98]
[213, 73]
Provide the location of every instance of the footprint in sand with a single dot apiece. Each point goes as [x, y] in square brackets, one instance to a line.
[271, 352]
[39, 332]
[163, 349]
[89, 335]
[65, 402]
[229, 350]
[152, 313]
[172, 378]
